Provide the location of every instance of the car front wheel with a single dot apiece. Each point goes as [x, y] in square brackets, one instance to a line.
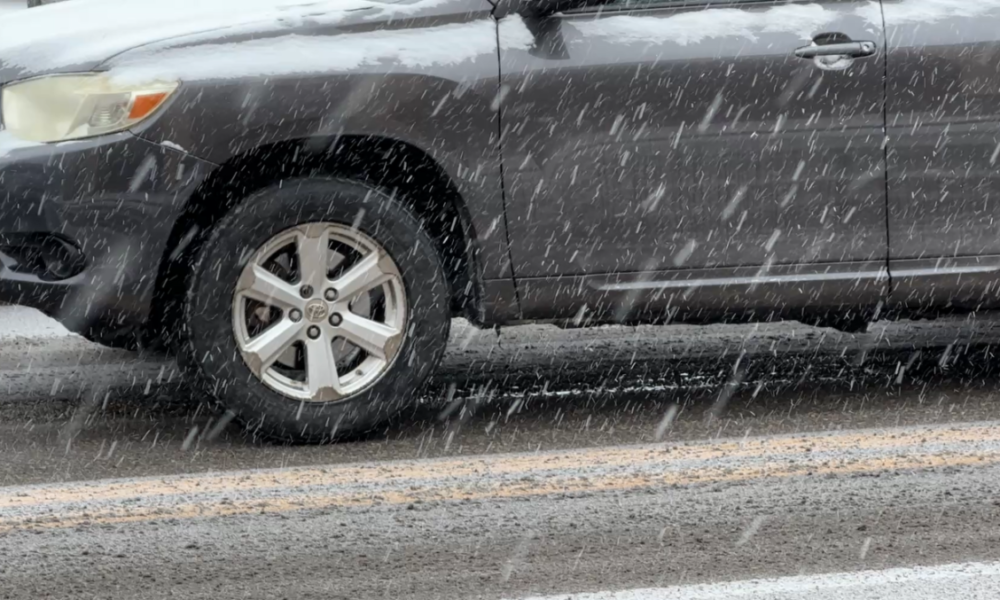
[316, 310]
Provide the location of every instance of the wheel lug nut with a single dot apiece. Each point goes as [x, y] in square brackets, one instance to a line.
[336, 319]
[330, 294]
[313, 332]
[295, 315]
[306, 291]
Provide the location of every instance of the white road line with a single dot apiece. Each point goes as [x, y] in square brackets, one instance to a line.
[967, 581]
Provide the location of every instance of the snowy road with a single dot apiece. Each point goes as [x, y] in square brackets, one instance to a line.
[777, 462]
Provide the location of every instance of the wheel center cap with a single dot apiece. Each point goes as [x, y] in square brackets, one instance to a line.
[316, 311]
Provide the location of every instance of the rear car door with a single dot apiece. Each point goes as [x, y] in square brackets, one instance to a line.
[943, 117]
[657, 152]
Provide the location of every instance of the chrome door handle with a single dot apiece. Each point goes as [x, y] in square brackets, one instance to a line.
[848, 49]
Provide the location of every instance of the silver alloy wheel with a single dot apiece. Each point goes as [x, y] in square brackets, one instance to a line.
[319, 312]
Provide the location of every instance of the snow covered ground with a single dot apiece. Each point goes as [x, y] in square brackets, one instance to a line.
[10, 6]
[21, 322]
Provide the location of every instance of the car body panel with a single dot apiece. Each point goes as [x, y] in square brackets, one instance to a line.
[945, 284]
[943, 116]
[640, 142]
[820, 293]
[110, 196]
[427, 79]
[304, 79]
[80, 36]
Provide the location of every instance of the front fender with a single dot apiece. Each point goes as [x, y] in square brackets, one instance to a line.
[440, 96]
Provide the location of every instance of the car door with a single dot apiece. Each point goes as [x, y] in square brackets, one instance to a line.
[943, 117]
[695, 156]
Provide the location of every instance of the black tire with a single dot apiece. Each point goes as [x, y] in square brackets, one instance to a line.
[211, 353]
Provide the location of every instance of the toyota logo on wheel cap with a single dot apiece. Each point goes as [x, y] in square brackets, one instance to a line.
[316, 311]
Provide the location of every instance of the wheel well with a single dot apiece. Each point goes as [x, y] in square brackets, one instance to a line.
[403, 171]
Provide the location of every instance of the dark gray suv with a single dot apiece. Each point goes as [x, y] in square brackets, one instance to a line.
[297, 196]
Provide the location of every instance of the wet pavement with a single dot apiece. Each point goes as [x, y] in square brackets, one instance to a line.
[541, 461]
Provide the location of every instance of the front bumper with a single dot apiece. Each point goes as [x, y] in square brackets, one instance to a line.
[114, 202]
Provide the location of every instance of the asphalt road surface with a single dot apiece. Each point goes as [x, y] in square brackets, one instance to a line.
[776, 461]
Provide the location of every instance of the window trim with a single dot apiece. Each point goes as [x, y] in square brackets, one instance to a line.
[613, 9]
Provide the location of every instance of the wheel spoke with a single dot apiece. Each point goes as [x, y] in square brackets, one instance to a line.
[370, 272]
[263, 286]
[264, 349]
[321, 369]
[314, 253]
[371, 336]
[323, 320]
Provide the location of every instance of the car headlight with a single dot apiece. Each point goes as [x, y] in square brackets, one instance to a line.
[69, 107]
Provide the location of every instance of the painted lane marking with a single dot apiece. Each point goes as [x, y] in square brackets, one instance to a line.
[497, 477]
[968, 581]
[651, 455]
